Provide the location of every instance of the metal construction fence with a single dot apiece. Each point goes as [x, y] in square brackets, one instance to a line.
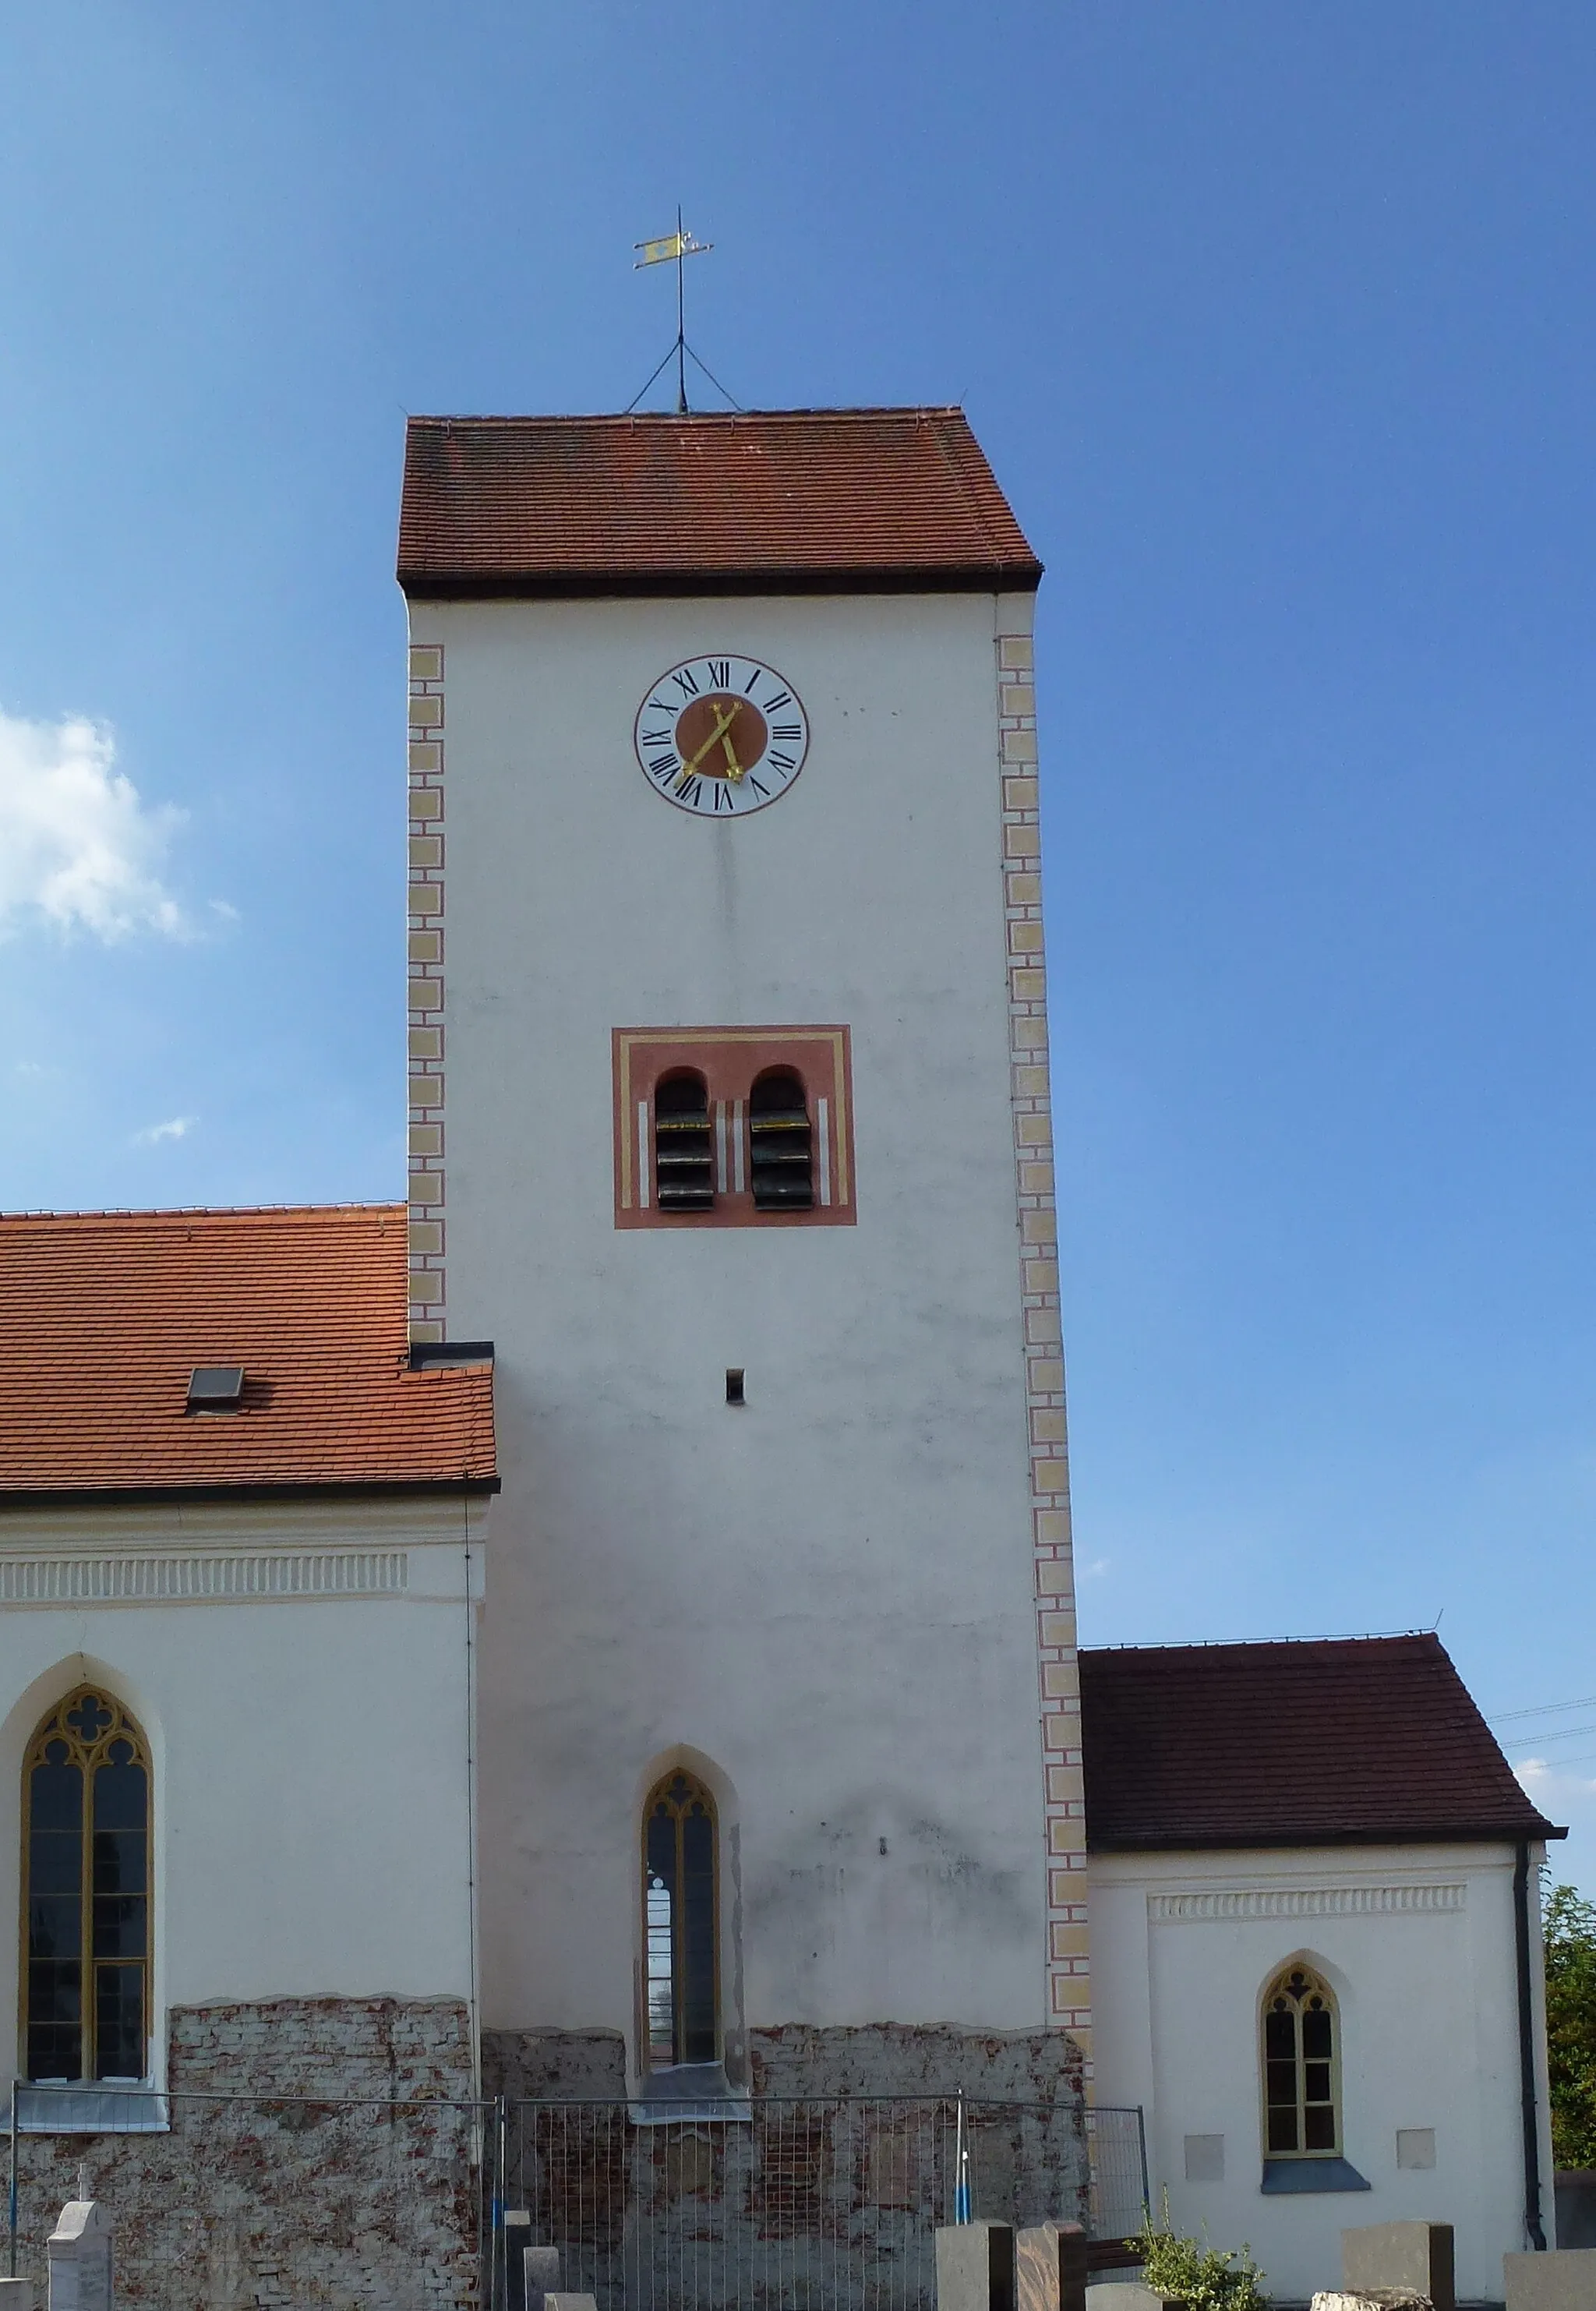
[792, 2204]
[236, 2202]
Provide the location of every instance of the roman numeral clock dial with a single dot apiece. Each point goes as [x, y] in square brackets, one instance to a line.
[721, 736]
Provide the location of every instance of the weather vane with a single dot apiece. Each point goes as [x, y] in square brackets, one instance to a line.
[676, 248]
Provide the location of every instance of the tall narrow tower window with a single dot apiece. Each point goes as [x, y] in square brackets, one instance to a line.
[680, 1910]
[683, 1147]
[781, 1155]
[86, 1893]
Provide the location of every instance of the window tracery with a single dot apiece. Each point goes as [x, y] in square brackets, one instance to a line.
[1300, 2067]
[87, 1892]
[681, 1910]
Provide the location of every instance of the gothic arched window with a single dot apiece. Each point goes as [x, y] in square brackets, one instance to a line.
[779, 1153]
[1301, 2062]
[684, 1154]
[681, 1910]
[87, 1892]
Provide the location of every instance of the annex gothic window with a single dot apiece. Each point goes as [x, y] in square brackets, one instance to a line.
[684, 1153]
[681, 1910]
[87, 1892]
[1302, 2060]
[779, 1156]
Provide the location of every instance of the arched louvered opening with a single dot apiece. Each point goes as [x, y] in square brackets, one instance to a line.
[87, 1892]
[680, 1907]
[780, 1145]
[684, 1144]
[1301, 2061]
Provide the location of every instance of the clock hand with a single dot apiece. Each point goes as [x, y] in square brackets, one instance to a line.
[719, 732]
[733, 769]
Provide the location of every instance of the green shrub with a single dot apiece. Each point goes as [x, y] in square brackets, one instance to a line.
[1203, 2278]
[1571, 2024]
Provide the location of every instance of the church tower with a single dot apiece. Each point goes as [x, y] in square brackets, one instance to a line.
[729, 1128]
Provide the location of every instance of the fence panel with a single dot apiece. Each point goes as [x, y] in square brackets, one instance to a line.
[786, 2205]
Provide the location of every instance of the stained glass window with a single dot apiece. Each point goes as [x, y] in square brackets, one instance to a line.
[86, 1877]
[680, 1910]
[1300, 2062]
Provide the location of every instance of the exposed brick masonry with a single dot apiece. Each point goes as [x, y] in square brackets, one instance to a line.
[273, 2200]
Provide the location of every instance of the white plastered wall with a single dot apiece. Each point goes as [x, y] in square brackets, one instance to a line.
[312, 1830]
[1417, 1943]
[830, 1591]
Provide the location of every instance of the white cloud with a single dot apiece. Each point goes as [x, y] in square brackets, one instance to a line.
[78, 847]
[176, 1127]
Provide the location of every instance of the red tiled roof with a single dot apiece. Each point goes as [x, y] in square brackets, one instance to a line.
[772, 501]
[103, 1315]
[1330, 1742]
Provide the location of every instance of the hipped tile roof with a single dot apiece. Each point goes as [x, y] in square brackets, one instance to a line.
[104, 1314]
[1329, 1741]
[771, 501]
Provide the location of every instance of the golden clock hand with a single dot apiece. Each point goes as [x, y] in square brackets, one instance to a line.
[733, 769]
[718, 732]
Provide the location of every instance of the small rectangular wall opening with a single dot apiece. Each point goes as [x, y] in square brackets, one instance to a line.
[734, 1384]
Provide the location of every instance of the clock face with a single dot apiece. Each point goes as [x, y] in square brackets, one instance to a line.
[721, 736]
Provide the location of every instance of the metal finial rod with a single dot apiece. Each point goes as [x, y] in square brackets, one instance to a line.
[676, 248]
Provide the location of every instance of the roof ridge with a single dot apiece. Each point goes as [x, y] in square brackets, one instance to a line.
[197, 1211]
[672, 418]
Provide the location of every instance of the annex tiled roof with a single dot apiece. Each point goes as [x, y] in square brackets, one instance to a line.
[1324, 1743]
[771, 501]
[104, 1314]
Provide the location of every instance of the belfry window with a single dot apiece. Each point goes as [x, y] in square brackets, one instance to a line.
[87, 1892]
[680, 1912]
[683, 1147]
[1301, 2061]
[780, 1152]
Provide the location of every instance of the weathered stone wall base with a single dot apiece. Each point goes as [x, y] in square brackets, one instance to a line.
[797, 2058]
[900, 2058]
[281, 2198]
[827, 2183]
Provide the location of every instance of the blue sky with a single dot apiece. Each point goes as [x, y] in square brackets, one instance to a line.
[1276, 323]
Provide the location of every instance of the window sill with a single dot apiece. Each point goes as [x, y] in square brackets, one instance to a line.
[691, 2092]
[1294, 2176]
[91, 2110]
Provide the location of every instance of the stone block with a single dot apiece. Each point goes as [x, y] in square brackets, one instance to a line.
[1412, 2257]
[1380, 2298]
[1125, 2295]
[18, 2295]
[975, 2267]
[1050, 2268]
[1562, 2280]
[541, 2268]
[571, 2303]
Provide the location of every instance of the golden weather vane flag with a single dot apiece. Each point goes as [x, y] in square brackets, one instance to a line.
[671, 251]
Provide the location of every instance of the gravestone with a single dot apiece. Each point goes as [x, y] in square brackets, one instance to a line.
[1416, 2256]
[80, 2258]
[540, 2270]
[17, 2295]
[975, 2267]
[1564, 2280]
[1050, 2268]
